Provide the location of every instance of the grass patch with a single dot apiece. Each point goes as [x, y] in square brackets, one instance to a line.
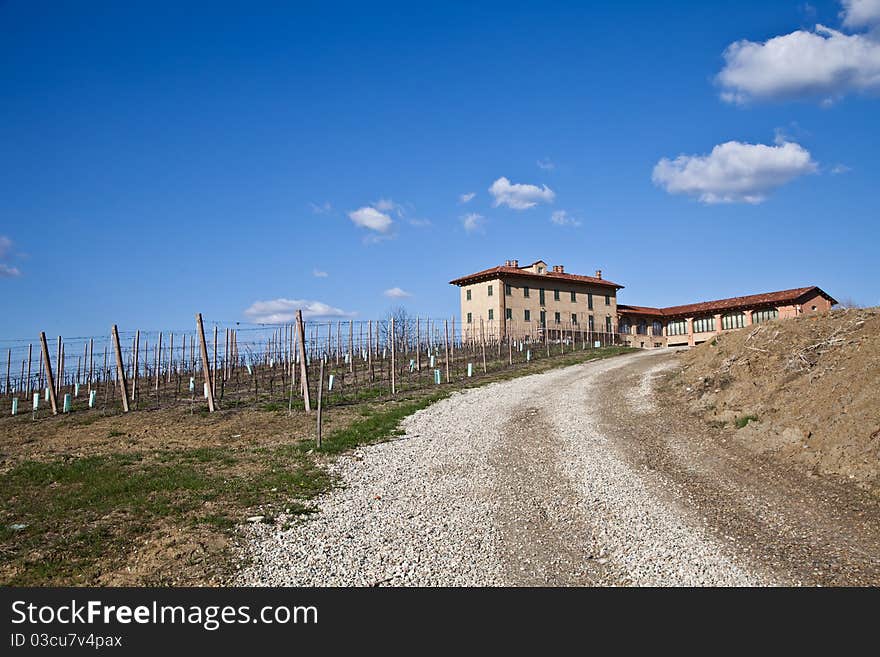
[744, 420]
[84, 515]
[378, 426]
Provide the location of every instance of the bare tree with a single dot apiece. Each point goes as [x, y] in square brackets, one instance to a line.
[845, 303]
[404, 325]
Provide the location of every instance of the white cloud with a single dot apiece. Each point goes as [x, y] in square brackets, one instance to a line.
[546, 164]
[420, 223]
[860, 13]
[466, 198]
[562, 218]
[368, 217]
[324, 208]
[317, 273]
[8, 271]
[388, 205]
[278, 311]
[822, 64]
[396, 293]
[519, 196]
[838, 169]
[734, 172]
[472, 222]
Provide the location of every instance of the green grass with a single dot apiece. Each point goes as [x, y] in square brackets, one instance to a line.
[744, 420]
[377, 426]
[84, 514]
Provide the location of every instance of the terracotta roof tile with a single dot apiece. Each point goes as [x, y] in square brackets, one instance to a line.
[733, 303]
[494, 272]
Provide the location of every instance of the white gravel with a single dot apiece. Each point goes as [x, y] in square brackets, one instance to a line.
[441, 504]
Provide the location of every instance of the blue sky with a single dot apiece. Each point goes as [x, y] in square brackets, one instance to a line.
[159, 160]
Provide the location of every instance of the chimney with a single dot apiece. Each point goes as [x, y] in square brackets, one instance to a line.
[514, 263]
[559, 269]
[507, 263]
[598, 273]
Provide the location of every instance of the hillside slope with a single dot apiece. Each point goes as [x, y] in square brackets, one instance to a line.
[806, 390]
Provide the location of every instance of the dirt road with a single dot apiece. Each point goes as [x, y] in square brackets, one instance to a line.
[573, 477]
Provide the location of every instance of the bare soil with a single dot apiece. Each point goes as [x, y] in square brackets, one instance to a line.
[803, 391]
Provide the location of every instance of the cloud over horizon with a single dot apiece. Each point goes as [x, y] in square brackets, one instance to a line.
[396, 293]
[734, 172]
[519, 196]
[279, 311]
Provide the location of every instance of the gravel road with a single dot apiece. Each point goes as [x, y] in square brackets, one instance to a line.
[552, 479]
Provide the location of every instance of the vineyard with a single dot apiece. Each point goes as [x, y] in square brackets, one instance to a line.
[294, 365]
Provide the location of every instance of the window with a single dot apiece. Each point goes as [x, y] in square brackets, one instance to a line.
[657, 327]
[607, 299]
[527, 315]
[608, 323]
[556, 295]
[543, 318]
[678, 327]
[541, 296]
[508, 313]
[490, 291]
[590, 323]
[526, 291]
[765, 315]
[508, 289]
[733, 321]
[574, 297]
[624, 326]
[704, 324]
[590, 300]
[467, 295]
[470, 318]
[557, 318]
[642, 327]
[491, 314]
[574, 317]
[540, 270]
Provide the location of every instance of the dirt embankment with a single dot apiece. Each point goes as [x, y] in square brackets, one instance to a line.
[805, 390]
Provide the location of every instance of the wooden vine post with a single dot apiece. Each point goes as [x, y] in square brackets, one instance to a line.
[446, 328]
[50, 383]
[320, 399]
[206, 366]
[393, 340]
[304, 368]
[120, 370]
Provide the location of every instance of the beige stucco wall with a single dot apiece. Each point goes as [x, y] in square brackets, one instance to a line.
[518, 303]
